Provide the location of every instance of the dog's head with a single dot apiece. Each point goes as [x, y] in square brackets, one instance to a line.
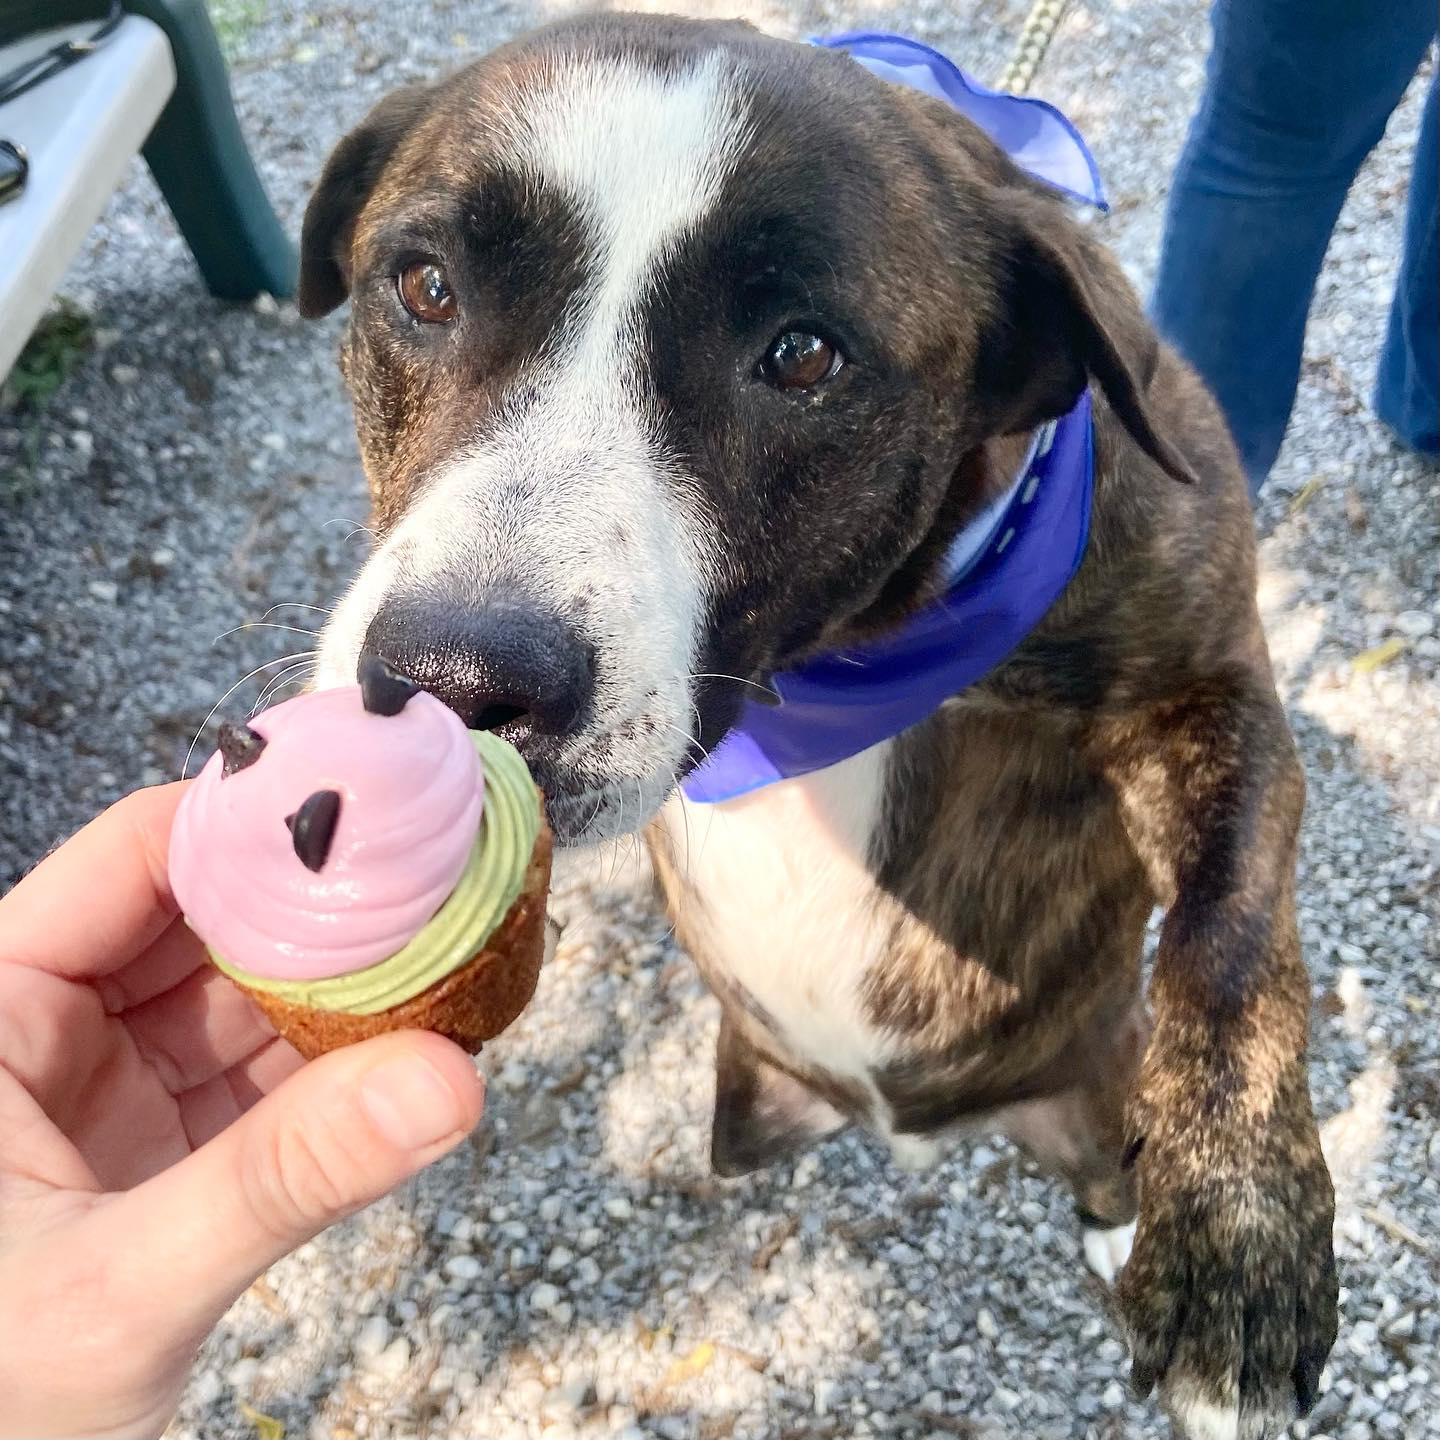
[676, 353]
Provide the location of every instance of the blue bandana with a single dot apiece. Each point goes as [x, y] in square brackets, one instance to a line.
[1006, 568]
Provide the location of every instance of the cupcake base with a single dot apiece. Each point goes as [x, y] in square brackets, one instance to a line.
[469, 1006]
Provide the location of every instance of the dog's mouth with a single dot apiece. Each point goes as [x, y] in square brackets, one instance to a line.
[602, 782]
[583, 814]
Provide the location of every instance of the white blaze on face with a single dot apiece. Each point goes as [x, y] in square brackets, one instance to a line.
[568, 495]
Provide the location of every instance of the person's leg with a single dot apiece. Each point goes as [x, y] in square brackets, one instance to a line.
[1297, 94]
[1407, 388]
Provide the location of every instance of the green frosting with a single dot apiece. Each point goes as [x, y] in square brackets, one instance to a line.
[482, 897]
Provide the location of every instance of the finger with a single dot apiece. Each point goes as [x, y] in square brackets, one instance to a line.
[266, 1070]
[102, 897]
[53, 1034]
[198, 1030]
[35, 1151]
[177, 952]
[340, 1133]
[220, 1101]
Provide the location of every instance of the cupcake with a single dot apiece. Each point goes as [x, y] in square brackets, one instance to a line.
[359, 861]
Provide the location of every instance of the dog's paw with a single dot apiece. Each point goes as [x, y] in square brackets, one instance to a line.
[1106, 1251]
[914, 1153]
[1197, 1417]
[1230, 1293]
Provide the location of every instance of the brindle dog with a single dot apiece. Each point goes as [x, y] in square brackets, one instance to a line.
[581, 273]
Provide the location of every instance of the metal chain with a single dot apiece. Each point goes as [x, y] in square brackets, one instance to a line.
[1035, 37]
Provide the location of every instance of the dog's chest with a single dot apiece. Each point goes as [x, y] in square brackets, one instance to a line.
[783, 912]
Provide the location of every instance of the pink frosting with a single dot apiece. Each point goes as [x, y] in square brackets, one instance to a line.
[412, 789]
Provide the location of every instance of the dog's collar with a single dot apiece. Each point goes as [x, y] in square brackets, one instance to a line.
[1033, 133]
[1005, 569]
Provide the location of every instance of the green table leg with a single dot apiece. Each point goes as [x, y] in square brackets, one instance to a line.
[200, 161]
[196, 151]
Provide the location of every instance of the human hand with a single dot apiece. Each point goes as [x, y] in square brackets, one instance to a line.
[159, 1146]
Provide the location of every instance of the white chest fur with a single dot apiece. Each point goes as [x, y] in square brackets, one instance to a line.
[787, 905]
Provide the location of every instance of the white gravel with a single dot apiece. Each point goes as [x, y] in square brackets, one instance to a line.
[576, 1271]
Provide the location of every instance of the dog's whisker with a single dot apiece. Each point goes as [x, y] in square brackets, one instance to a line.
[264, 625]
[634, 836]
[296, 605]
[599, 801]
[604, 796]
[356, 528]
[676, 896]
[738, 679]
[258, 670]
[614, 867]
[684, 800]
[685, 818]
[285, 677]
[691, 743]
[615, 849]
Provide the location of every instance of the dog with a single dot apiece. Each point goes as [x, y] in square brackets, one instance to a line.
[680, 354]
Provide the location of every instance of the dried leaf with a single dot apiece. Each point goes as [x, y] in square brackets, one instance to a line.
[1396, 1229]
[758, 1363]
[767, 1252]
[265, 1293]
[858, 1231]
[697, 1362]
[950, 1424]
[649, 1338]
[267, 1427]
[568, 1080]
[1382, 654]
[1306, 493]
[1355, 511]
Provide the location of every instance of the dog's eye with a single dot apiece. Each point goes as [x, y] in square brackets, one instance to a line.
[797, 361]
[426, 293]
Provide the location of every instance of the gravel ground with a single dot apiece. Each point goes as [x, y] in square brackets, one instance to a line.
[576, 1271]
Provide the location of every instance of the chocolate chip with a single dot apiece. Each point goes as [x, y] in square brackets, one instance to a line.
[312, 827]
[383, 689]
[240, 745]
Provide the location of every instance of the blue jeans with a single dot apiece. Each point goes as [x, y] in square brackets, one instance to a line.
[1297, 95]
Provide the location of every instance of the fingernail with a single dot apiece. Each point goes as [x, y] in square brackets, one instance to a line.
[413, 1103]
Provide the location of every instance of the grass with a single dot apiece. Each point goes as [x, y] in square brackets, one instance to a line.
[234, 20]
[60, 341]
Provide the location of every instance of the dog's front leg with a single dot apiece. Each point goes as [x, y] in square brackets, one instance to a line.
[1230, 1292]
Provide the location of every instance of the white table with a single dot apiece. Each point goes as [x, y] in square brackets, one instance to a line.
[80, 129]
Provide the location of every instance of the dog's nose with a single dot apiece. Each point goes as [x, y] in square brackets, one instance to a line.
[507, 664]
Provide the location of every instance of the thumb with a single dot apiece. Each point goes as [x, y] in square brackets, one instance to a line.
[336, 1135]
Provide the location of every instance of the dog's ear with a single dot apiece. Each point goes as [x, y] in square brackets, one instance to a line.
[1065, 315]
[345, 184]
[761, 1114]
